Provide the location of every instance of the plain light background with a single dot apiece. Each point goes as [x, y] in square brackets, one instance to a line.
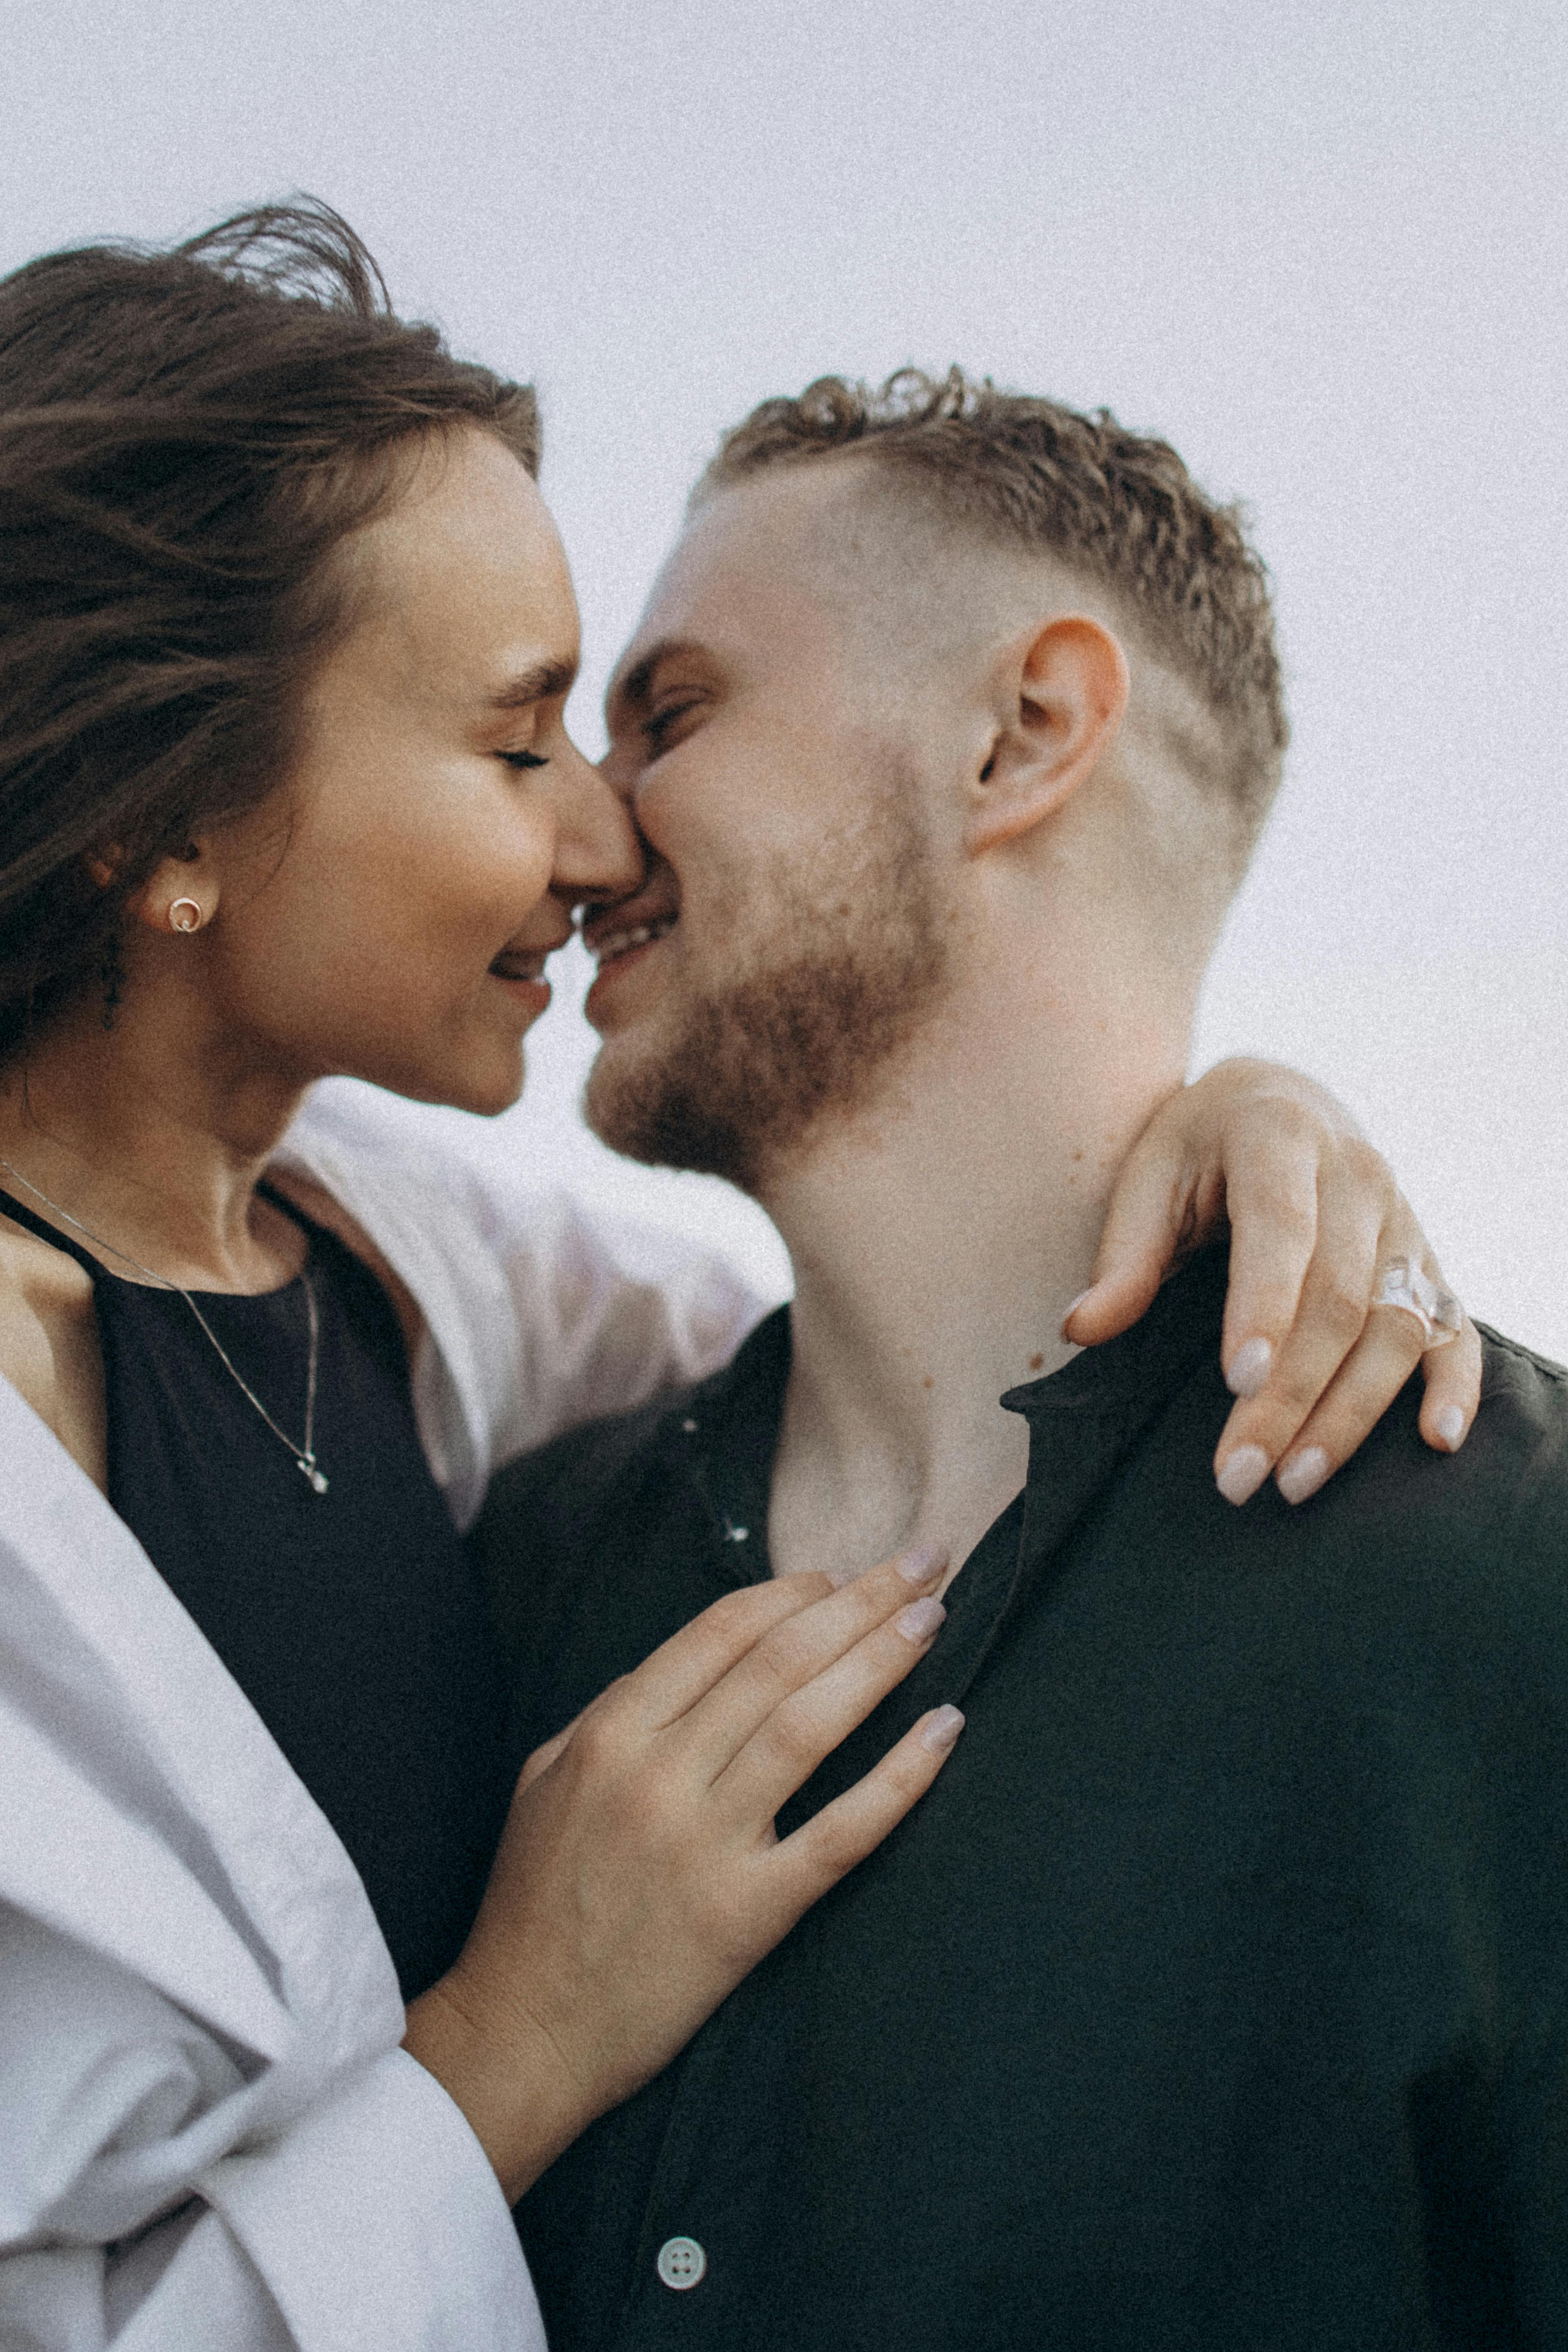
[1320, 247]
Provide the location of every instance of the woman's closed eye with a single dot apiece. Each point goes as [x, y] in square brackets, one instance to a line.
[524, 758]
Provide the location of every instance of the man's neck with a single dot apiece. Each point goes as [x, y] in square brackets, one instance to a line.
[939, 1238]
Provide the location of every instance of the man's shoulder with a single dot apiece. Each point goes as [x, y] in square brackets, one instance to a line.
[609, 1516]
[1411, 1569]
[548, 1514]
[558, 1492]
[1505, 1491]
[1509, 1368]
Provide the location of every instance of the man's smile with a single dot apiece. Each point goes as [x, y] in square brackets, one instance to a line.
[616, 935]
[605, 946]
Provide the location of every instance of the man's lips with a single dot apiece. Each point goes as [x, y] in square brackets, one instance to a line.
[609, 941]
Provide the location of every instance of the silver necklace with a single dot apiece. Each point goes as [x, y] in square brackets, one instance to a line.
[304, 1455]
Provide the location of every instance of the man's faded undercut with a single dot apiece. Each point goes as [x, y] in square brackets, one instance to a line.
[1119, 509]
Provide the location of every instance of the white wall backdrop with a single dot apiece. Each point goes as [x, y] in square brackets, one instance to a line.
[1322, 247]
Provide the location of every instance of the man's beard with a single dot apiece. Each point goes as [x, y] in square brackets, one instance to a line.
[845, 963]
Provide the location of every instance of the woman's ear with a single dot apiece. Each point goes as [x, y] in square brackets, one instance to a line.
[1066, 688]
[180, 894]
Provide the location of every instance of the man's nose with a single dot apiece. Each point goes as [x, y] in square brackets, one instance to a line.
[598, 853]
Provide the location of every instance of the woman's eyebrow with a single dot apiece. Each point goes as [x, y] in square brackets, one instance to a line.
[541, 683]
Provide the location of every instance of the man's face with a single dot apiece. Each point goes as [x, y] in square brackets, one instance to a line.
[792, 932]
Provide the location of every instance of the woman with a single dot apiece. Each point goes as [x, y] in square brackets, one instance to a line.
[286, 795]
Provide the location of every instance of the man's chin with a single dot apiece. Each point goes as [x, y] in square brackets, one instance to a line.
[657, 1109]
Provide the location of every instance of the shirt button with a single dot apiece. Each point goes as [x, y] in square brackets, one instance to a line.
[681, 2262]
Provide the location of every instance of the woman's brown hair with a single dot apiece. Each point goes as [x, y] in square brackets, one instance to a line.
[186, 437]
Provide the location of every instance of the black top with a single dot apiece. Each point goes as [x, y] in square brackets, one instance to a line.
[1215, 1998]
[351, 1620]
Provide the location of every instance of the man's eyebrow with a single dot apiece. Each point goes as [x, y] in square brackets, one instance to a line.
[631, 693]
[541, 683]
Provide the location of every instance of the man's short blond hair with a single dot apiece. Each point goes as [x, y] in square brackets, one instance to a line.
[1119, 509]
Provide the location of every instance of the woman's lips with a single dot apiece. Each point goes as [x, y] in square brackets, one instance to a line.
[522, 977]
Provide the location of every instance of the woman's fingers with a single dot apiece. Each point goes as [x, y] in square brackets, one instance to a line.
[683, 1670]
[1372, 1375]
[672, 1678]
[1318, 1227]
[1347, 1361]
[1327, 1320]
[1453, 1377]
[1143, 1232]
[1246, 1138]
[1310, 1445]
[1299, 1243]
[799, 1657]
[824, 1850]
[806, 1723]
[823, 1667]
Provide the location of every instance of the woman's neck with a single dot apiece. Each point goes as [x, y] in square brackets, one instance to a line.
[152, 1142]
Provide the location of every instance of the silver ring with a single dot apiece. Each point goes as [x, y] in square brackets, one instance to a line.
[1438, 1312]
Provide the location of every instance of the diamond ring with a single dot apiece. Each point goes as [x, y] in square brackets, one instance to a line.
[1438, 1312]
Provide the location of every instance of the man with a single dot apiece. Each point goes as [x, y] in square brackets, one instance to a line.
[1215, 1998]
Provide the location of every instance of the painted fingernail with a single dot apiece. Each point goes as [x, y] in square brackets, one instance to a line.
[1303, 1473]
[920, 1620]
[1450, 1425]
[1243, 1473]
[1072, 1311]
[941, 1732]
[921, 1562]
[1249, 1368]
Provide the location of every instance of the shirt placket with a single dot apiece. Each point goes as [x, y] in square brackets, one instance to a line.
[694, 2268]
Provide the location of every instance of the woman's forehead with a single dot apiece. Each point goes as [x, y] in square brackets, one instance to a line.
[466, 575]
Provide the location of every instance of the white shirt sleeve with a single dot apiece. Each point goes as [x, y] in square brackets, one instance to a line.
[372, 2220]
[210, 2140]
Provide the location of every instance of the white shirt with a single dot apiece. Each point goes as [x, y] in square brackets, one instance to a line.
[210, 2140]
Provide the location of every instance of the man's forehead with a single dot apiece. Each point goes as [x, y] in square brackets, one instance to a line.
[743, 583]
[770, 567]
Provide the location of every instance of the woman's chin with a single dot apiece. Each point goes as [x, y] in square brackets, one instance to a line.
[487, 1094]
[485, 1082]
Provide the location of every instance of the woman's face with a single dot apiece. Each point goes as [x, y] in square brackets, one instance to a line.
[388, 912]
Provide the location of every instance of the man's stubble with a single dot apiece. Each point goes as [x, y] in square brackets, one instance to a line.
[837, 966]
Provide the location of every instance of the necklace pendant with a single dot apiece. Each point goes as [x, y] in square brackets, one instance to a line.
[317, 1478]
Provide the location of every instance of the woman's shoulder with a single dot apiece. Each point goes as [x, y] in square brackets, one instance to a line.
[48, 1344]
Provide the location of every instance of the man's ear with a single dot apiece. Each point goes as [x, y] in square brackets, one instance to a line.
[1065, 690]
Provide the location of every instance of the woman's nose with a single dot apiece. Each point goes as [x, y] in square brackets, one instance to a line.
[597, 853]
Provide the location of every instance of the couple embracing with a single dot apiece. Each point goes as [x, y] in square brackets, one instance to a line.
[457, 1756]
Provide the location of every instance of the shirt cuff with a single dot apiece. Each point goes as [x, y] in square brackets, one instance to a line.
[378, 2220]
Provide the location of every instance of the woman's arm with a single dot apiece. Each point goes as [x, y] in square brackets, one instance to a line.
[211, 2141]
[245, 2172]
[536, 1316]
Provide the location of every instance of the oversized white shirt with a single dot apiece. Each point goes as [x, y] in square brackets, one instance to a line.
[210, 2140]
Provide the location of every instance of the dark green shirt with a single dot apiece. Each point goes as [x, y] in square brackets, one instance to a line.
[1214, 1999]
